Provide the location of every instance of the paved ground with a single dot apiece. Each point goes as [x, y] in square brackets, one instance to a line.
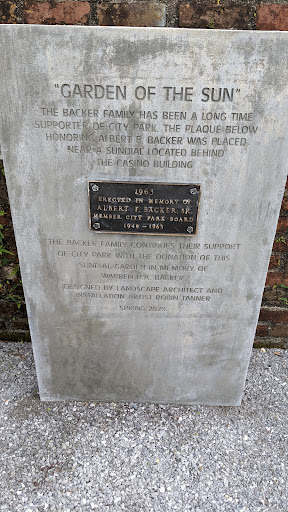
[128, 457]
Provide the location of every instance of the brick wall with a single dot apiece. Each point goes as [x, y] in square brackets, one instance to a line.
[272, 330]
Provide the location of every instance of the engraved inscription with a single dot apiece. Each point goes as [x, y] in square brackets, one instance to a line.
[147, 275]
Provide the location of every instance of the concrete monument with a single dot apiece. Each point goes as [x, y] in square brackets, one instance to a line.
[145, 169]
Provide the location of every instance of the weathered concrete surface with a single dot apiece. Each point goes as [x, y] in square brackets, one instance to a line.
[129, 317]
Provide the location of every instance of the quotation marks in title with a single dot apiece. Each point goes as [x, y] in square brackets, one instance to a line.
[147, 92]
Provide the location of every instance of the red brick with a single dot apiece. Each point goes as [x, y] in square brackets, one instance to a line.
[259, 343]
[279, 343]
[274, 262]
[14, 336]
[20, 323]
[132, 15]
[3, 190]
[280, 245]
[282, 225]
[274, 315]
[274, 295]
[262, 331]
[5, 220]
[7, 308]
[279, 331]
[213, 16]
[277, 278]
[272, 17]
[284, 207]
[51, 13]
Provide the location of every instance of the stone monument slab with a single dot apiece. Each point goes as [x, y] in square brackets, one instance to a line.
[145, 170]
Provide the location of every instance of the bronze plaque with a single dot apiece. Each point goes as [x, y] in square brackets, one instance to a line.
[144, 208]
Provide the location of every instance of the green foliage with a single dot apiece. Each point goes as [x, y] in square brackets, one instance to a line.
[13, 294]
[281, 239]
[211, 23]
[283, 299]
[2, 248]
[3, 251]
